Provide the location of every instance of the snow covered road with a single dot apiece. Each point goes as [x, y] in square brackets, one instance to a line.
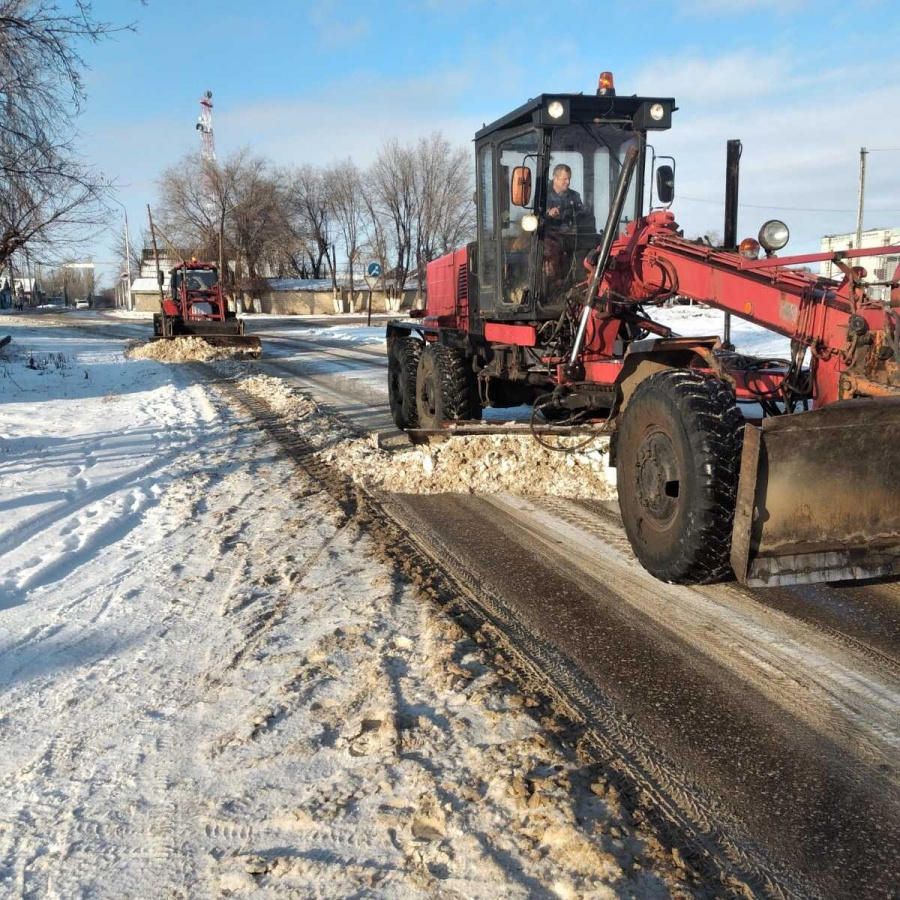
[211, 685]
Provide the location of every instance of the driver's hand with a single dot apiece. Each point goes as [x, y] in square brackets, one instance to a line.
[553, 213]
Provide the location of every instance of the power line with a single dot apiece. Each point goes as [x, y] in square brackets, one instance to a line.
[783, 208]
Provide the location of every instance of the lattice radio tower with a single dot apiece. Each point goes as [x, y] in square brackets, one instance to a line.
[204, 126]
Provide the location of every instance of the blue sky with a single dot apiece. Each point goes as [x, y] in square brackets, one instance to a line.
[803, 84]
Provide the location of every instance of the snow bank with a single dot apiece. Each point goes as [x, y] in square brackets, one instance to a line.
[514, 464]
[183, 349]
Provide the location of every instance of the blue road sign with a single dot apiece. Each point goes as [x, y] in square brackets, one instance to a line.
[373, 270]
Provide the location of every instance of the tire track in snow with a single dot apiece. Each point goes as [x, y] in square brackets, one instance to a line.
[80, 549]
[809, 677]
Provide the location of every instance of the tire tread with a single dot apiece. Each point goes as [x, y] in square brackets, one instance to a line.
[715, 436]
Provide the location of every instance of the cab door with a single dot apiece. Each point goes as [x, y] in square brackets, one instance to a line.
[487, 238]
[517, 247]
[506, 253]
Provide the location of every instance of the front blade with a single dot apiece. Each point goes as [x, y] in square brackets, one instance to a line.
[249, 344]
[817, 498]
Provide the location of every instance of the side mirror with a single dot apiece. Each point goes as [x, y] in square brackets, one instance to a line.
[520, 186]
[665, 184]
[160, 277]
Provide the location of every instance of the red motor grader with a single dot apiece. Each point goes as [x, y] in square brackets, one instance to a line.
[552, 306]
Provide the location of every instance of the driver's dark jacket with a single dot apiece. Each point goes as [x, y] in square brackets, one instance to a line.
[569, 203]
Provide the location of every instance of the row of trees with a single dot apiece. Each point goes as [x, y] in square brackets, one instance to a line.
[412, 204]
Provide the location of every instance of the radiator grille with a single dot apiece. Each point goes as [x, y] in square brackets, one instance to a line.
[462, 285]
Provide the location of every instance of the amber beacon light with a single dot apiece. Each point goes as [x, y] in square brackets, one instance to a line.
[606, 86]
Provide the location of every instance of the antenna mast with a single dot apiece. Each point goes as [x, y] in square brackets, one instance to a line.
[205, 127]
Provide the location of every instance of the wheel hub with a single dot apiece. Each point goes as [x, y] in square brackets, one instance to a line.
[428, 395]
[658, 478]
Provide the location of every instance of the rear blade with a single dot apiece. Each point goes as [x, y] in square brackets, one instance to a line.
[818, 498]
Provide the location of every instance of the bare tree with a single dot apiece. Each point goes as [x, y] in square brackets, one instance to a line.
[194, 200]
[68, 282]
[348, 209]
[46, 193]
[308, 207]
[392, 192]
[376, 243]
[227, 210]
[257, 214]
[444, 208]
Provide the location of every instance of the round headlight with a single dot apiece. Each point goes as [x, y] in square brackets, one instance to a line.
[529, 222]
[657, 111]
[774, 235]
[555, 109]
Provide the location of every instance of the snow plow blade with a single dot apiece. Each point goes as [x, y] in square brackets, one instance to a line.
[817, 498]
[250, 344]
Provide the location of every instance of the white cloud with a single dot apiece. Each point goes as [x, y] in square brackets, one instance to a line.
[801, 137]
[333, 28]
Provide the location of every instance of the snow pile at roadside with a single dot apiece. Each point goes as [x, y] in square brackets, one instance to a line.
[365, 336]
[183, 349]
[514, 464]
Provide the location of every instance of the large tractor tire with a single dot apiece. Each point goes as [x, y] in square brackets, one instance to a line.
[403, 365]
[678, 463]
[445, 389]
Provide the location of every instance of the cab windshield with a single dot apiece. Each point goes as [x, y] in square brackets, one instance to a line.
[593, 154]
[572, 205]
[583, 169]
[196, 279]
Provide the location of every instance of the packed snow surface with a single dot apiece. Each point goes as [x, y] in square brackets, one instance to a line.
[213, 685]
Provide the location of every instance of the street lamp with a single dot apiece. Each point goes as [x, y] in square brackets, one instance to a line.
[130, 302]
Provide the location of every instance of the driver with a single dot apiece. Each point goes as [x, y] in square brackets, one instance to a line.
[563, 204]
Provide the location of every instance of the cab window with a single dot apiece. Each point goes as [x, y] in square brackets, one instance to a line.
[517, 246]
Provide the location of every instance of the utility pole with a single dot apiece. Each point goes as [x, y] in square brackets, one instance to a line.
[159, 279]
[862, 193]
[130, 303]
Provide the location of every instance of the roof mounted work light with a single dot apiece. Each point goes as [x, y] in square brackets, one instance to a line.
[774, 235]
[605, 86]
